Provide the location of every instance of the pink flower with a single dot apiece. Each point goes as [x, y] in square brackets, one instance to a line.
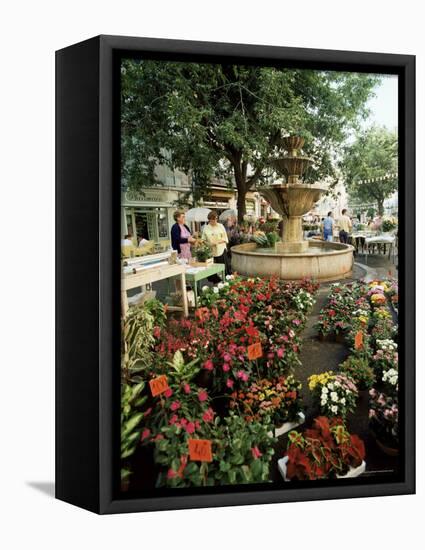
[186, 388]
[280, 353]
[156, 332]
[173, 419]
[239, 374]
[175, 405]
[229, 383]
[245, 376]
[208, 415]
[183, 422]
[146, 433]
[270, 355]
[256, 453]
[227, 358]
[190, 427]
[208, 365]
[226, 367]
[168, 393]
[202, 396]
[296, 322]
[171, 473]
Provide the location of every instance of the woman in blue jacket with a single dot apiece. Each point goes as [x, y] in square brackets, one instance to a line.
[181, 238]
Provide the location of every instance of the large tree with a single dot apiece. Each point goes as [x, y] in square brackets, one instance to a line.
[226, 121]
[370, 166]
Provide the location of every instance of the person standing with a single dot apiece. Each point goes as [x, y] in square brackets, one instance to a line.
[215, 235]
[328, 226]
[345, 227]
[181, 238]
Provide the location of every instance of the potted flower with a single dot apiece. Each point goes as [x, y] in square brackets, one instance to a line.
[383, 418]
[358, 368]
[203, 252]
[325, 451]
[336, 394]
[272, 401]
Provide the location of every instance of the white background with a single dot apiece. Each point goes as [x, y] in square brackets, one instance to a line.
[30, 32]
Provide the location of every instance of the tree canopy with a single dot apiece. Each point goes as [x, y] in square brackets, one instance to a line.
[370, 166]
[226, 121]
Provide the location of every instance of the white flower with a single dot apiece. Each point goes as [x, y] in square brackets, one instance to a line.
[334, 409]
[342, 400]
[323, 402]
[205, 288]
[229, 277]
[331, 386]
[225, 284]
[334, 396]
[325, 389]
[215, 290]
[337, 384]
[220, 285]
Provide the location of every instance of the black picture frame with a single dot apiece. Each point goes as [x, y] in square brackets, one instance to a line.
[88, 278]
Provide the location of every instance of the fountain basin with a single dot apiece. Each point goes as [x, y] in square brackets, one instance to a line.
[323, 261]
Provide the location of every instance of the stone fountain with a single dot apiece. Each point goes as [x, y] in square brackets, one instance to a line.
[294, 257]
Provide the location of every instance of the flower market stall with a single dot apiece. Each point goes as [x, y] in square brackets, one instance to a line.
[216, 398]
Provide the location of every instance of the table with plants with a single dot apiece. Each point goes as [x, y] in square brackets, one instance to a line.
[208, 400]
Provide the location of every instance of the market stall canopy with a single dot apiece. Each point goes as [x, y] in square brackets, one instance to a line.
[229, 213]
[197, 214]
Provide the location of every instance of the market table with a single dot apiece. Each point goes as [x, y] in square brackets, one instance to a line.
[382, 239]
[148, 274]
[194, 274]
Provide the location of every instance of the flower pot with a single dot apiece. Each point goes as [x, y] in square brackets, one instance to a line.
[340, 337]
[288, 426]
[352, 472]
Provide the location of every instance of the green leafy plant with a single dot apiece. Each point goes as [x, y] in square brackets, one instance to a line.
[241, 453]
[136, 344]
[132, 400]
[360, 370]
[202, 251]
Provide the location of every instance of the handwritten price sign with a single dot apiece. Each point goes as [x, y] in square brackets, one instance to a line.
[158, 385]
[200, 449]
[255, 351]
[358, 340]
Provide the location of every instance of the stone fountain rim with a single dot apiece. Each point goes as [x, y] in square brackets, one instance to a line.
[342, 248]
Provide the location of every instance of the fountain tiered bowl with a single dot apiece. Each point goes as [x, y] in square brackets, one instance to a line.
[294, 257]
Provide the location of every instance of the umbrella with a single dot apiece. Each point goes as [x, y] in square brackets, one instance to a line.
[230, 213]
[197, 214]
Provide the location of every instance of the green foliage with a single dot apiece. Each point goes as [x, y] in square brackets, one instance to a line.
[241, 454]
[202, 251]
[212, 120]
[370, 166]
[156, 309]
[359, 369]
[137, 344]
[131, 416]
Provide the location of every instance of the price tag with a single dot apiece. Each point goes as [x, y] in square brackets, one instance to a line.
[358, 340]
[255, 351]
[158, 385]
[200, 449]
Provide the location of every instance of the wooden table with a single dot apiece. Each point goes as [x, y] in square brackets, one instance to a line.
[150, 274]
[200, 273]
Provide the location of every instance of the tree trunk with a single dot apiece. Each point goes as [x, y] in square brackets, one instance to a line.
[381, 207]
[241, 205]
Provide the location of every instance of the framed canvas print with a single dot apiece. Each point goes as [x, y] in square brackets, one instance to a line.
[235, 274]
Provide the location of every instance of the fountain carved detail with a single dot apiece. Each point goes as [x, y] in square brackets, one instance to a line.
[292, 199]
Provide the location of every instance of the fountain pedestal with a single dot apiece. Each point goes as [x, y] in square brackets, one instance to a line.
[291, 241]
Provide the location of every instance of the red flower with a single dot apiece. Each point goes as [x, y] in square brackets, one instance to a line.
[186, 388]
[226, 367]
[146, 433]
[190, 427]
[208, 365]
[171, 473]
[227, 358]
[202, 396]
[208, 415]
[256, 453]
[229, 383]
[175, 405]
[331, 313]
[156, 332]
[280, 353]
[168, 393]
